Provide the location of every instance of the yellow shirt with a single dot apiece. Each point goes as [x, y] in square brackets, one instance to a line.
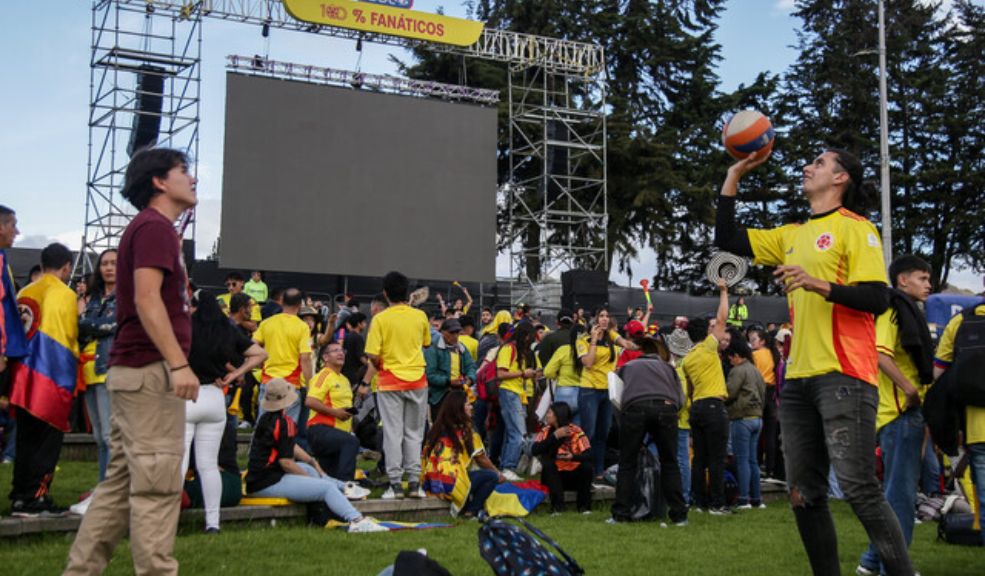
[597, 377]
[764, 363]
[471, 344]
[703, 368]
[334, 390]
[974, 415]
[456, 366]
[285, 337]
[561, 367]
[842, 248]
[508, 359]
[891, 399]
[254, 307]
[684, 414]
[397, 336]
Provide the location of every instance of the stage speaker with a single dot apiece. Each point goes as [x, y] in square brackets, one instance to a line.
[147, 108]
[588, 289]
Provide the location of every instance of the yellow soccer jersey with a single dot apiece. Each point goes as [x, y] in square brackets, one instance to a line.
[597, 376]
[840, 247]
[892, 401]
[397, 336]
[703, 368]
[974, 415]
[333, 390]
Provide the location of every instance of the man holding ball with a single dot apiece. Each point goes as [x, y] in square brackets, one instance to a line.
[833, 272]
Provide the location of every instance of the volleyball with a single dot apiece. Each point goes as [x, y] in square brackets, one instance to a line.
[747, 132]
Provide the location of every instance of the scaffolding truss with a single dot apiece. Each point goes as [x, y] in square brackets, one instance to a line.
[556, 193]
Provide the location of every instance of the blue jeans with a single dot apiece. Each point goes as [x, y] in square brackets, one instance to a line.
[595, 411]
[684, 462]
[483, 483]
[313, 488]
[97, 404]
[900, 441]
[745, 442]
[977, 452]
[930, 473]
[569, 395]
[515, 425]
[829, 421]
[10, 449]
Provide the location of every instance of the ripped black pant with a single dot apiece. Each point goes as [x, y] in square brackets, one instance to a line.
[829, 421]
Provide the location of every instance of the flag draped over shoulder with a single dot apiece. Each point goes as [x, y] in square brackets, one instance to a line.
[13, 343]
[44, 381]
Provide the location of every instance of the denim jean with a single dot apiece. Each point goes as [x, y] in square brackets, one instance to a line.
[829, 420]
[569, 395]
[658, 419]
[745, 442]
[335, 449]
[10, 449]
[900, 441]
[483, 483]
[684, 461]
[97, 405]
[709, 432]
[595, 411]
[977, 454]
[930, 472]
[515, 426]
[313, 488]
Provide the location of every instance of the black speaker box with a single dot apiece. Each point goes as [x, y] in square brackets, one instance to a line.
[588, 289]
[147, 108]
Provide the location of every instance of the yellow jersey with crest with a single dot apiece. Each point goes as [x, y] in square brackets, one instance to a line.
[840, 247]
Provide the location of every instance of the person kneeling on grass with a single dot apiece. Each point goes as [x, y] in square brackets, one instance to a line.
[449, 451]
[279, 468]
[566, 455]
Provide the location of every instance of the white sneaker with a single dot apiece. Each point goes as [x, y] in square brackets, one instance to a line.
[535, 467]
[392, 494]
[510, 476]
[415, 491]
[80, 508]
[365, 525]
[354, 491]
[863, 571]
[744, 507]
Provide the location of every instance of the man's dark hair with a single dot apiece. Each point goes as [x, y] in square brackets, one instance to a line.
[859, 196]
[238, 302]
[504, 329]
[236, 276]
[395, 286]
[34, 270]
[5, 212]
[293, 297]
[147, 164]
[380, 299]
[906, 264]
[355, 318]
[487, 309]
[54, 256]
[465, 320]
[437, 315]
[697, 329]
[276, 292]
[738, 346]
[352, 302]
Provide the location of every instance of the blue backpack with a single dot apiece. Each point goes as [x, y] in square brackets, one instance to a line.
[512, 551]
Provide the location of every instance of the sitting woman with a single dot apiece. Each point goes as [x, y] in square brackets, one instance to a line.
[279, 468]
[450, 450]
[566, 455]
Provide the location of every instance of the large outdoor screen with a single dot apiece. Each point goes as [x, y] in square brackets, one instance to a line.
[344, 181]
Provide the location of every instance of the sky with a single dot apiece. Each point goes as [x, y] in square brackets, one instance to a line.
[43, 151]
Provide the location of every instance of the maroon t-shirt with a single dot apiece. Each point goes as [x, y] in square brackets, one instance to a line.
[150, 241]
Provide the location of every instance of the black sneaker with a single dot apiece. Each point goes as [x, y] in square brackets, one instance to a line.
[38, 508]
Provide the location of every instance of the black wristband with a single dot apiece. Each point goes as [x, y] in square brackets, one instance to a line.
[182, 367]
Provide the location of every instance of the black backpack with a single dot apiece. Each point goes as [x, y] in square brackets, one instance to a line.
[959, 528]
[512, 551]
[969, 357]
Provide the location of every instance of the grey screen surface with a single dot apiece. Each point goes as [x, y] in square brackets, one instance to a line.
[333, 180]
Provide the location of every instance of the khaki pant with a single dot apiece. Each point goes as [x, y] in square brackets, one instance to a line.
[142, 489]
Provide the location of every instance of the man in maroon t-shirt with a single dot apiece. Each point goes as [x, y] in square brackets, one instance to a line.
[149, 378]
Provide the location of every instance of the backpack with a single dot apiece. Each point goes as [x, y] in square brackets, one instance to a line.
[486, 380]
[959, 528]
[969, 357]
[512, 551]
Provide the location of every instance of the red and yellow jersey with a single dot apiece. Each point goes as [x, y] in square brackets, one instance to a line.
[333, 390]
[285, 337]
[397, 337]
[974, 415]
[840, 247]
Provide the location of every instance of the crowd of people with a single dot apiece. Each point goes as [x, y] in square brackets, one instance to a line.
[453, 403]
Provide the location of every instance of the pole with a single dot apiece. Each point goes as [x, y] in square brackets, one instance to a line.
[887, 224]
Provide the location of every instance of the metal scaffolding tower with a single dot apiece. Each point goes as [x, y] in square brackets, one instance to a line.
[139, 54]
[556, 194]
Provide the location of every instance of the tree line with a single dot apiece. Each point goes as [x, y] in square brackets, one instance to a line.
[666, 107]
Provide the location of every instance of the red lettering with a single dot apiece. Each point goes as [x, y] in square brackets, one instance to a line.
[441, 29]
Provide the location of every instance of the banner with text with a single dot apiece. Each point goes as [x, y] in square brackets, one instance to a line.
[382, 19]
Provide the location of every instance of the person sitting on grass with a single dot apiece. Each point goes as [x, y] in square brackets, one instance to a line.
[451, 447]
[279, 468]
[566, 456]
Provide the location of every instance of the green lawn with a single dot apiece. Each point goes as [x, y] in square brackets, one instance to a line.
[754, 542]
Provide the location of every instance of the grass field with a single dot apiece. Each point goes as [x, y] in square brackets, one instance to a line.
[756, 542]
